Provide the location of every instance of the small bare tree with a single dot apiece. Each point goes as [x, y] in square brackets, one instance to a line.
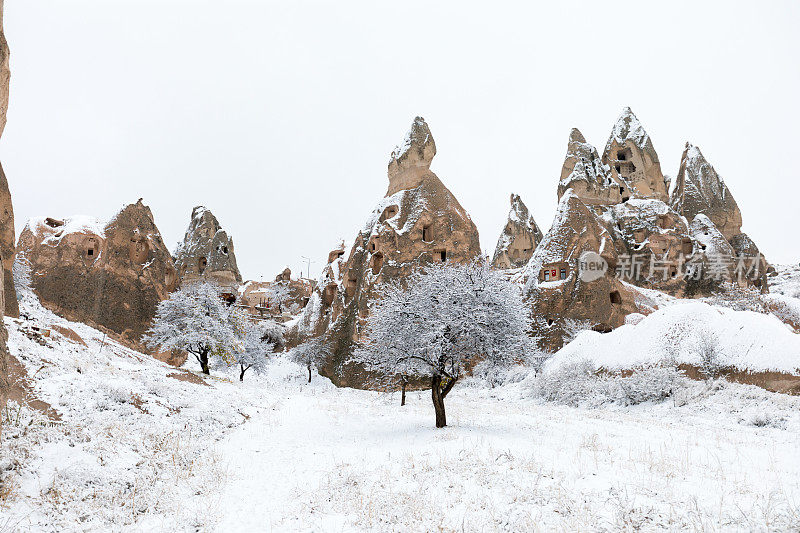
[311, 354]
[257, 339]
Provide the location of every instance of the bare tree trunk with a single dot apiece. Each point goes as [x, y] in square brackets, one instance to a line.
[204, 362]
[241, 375]
[309, 373]
[403, 385]
[438, 401]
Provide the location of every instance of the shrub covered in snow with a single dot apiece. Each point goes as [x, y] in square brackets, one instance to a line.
[579, 384]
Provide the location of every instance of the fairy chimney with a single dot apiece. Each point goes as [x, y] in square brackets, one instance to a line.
[419, 221]
[519, 239]
[110, 276]
[586, 174]
[557, 287]
[206, 252]
[633, 161]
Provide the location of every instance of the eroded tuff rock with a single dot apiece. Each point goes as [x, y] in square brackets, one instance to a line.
[110, 276]
[632, 159]
[6, 226]
[207, 252]
[519, 239]
[699, 189]
[555, 289]
[419, 221]
[5, 74]
[586, 174]
[315, 320]
[657, 241]
[7, 247]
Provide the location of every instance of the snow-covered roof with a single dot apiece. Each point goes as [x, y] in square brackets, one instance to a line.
[73, 224]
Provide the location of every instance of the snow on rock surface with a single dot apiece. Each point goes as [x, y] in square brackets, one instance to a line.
[628, 128]
[633, 160]
[746, 340]
[699, 189]
[207, 252]
[519, 239]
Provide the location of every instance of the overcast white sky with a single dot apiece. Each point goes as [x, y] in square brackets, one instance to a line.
[280, 116]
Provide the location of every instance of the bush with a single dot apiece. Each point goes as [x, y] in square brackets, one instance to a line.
[579, 384]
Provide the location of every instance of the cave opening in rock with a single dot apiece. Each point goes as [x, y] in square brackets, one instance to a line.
[426, 234]
[377, 263]
[615, 297]
[202, 263]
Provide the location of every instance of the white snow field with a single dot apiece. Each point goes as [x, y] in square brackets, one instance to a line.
[138, 450]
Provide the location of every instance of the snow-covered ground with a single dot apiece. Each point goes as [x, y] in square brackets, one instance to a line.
[138, 450]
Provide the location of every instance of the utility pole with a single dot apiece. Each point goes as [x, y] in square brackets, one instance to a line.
[308, 268]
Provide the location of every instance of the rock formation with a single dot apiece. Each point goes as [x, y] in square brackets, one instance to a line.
[699, 189]
[207, 252]
[633, 160]
[284, 296]
[110, 276]
[5, 74]
[588, 177]
[315, 320]
[7, 236]
[555, 288]
[5, 207]
[7, 247]
[419, 221]
[656, 240]
[519, 239]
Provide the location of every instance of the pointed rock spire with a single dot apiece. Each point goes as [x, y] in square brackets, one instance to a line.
[411, 160]
[418, 222]
[699, 189]
[586, 175]
[519, 239]
[632, 159]
[207, 251]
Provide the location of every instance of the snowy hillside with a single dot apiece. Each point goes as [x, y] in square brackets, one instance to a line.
[141, 446]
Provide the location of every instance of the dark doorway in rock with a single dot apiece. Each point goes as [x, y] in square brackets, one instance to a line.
[426, 234]
[615, 297]
[377, 263]
[440, 256]
[202, 263]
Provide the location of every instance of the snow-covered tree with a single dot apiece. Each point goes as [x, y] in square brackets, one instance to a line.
[446, 317]
[279, 293]
[311, 354]
[257, 339]
[196, 320]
